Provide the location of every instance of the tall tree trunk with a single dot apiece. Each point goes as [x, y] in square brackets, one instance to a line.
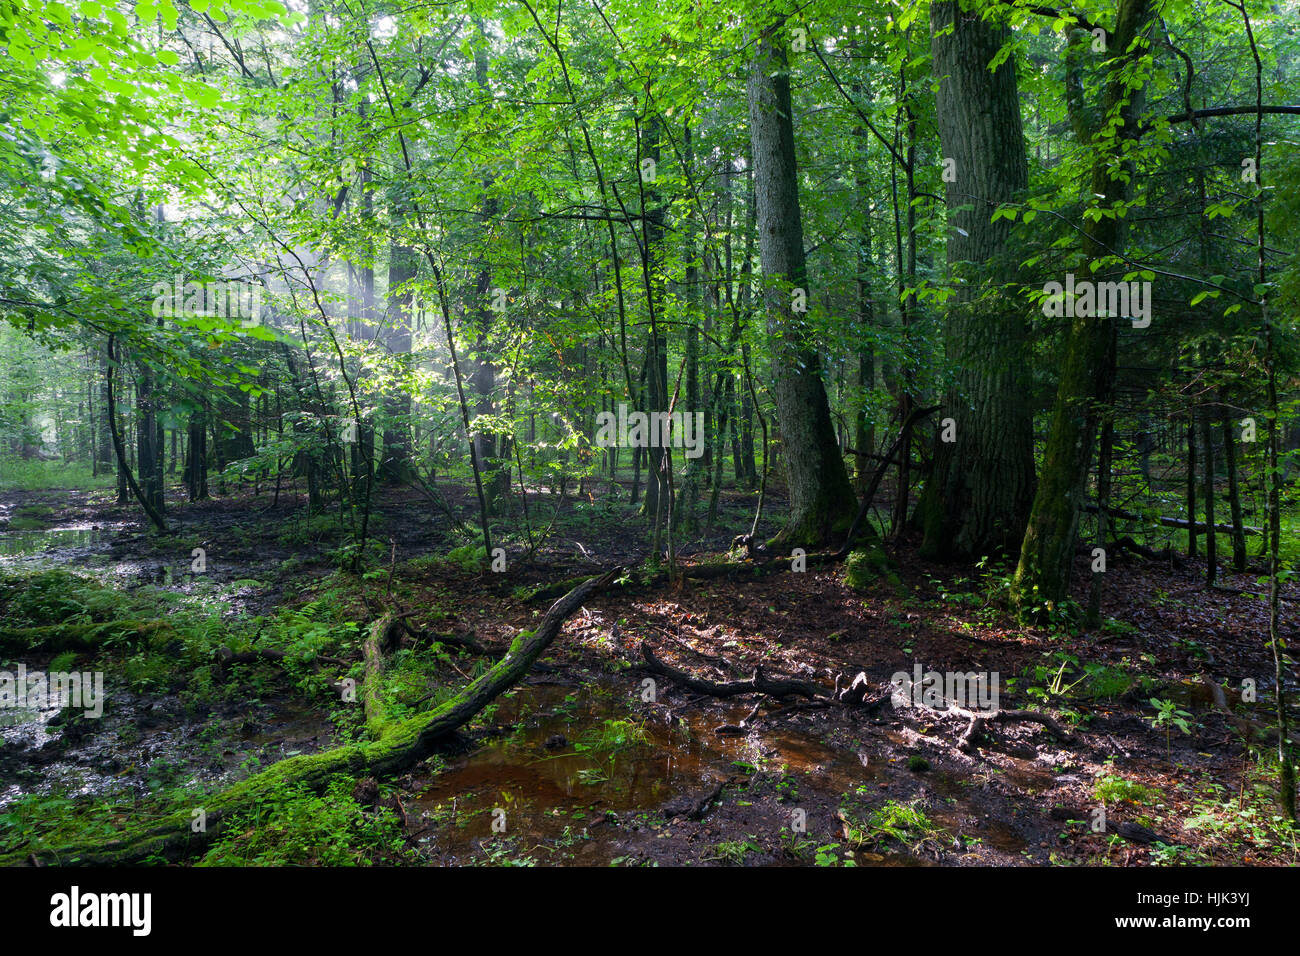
[493, 451]
[104, 440]
[1047, 553]
[1211, 539]
[744, 461]
[123, 466]
[196, 463]
[1093, 617]
[1234, 492]
[149, 439]
[656, 357]
[688, 497]
[821, 498]
[905, 253]
[395, 456]
[1191, 484]
[977, 499]
[864, 432]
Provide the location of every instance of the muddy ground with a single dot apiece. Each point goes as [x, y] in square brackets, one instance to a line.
[831, 786]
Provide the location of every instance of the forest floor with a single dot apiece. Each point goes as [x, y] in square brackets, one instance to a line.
[581, 766]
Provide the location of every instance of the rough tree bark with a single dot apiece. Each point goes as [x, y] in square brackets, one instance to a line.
[123, 467]
[821, 498]
[977, 499]
[1047, 553]
[1234, 492]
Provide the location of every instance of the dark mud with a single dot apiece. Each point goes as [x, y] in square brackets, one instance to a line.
[576, 766]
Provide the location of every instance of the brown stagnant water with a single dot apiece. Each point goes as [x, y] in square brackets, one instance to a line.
[555, 800]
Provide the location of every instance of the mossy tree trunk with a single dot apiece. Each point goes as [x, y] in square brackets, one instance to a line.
[1087, 363]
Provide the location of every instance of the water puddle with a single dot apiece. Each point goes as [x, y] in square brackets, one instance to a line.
[557, 797]
[27, 723]
[554, 778]
[44, 545]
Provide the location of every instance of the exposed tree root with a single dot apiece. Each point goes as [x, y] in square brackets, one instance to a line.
[855, 695]
[857, 691]
[702, 572]
[399, 744]
[702, 806]
[977, 722]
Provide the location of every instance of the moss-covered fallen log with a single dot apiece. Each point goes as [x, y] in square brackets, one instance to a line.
[373, 649]
[56, 638]
[398, 745]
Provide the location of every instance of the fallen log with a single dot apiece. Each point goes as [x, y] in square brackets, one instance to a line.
[373, 649]
[1126, 543]
[400, 743]
[757, 684]
[79, 636]
[1170, 522]
[1255, 594]
[265, 655]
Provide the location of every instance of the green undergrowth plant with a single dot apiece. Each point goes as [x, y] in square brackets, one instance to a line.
[35, 821]
[866, 568]
[295, 827]
[18, 474]
[611, 736]
[903, 823]
[1110, 788]
[1168, 716]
